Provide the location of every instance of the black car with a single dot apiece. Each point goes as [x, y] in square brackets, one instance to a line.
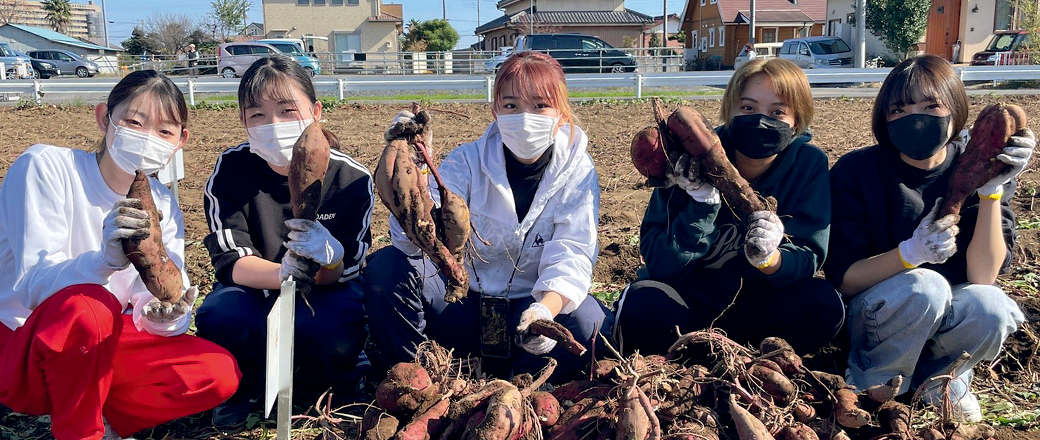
[579, 53]
[44, 70]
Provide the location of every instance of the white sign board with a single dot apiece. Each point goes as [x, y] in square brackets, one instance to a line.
[280, 328]
[174, 170]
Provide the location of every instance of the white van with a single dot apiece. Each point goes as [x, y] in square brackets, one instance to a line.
[762, 50]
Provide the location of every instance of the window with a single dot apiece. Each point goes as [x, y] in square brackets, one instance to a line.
[353, 2]
[1002, 18]
[262, 50]
[303, 2]
[319, 2]
[238, 50]
[569, 43]
[588, 44]
[711, 37]
[768, 35]
[693, 38]
[704, 44]
[336, 2]
[722, 36]
[713, 1]
[702, 2]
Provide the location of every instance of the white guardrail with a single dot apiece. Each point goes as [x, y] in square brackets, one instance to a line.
[341, 85]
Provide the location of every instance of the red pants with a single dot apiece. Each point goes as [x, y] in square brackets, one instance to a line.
[78, 358]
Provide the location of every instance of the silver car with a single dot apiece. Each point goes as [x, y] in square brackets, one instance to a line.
[817, 52]
[67, 62]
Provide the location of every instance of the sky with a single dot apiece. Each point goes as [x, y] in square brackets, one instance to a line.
[462, 14]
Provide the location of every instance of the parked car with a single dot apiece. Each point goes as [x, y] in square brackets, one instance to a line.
[817, 52]
[294, 47]
[578, 53]
[1005, 47]
[43, 69]
[15, 66]
[67, 62]
[234, 58]
[493, 63]
[762, 50]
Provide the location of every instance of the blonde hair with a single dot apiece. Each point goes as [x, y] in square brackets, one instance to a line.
[544, 75]
[789, 82]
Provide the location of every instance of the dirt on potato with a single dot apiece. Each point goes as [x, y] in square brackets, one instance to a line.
[839, 126]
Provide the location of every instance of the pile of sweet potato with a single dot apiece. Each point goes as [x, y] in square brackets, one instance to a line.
[707, 388]
[400, 179]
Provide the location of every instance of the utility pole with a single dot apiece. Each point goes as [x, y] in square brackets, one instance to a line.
[444, 9]
[861, 34]
[104, 22]
[751, 37]
[530, 19]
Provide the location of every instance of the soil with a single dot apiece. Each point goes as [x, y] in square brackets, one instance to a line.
[839, 126]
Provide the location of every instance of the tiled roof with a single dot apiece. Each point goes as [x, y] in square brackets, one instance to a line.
[730, 10]
[383, 16]
[626, 17]
[58, 37]
[791, 16]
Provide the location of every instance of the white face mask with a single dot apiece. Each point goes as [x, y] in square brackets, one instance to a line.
[274, 142]
[527, 135]
[133, 150]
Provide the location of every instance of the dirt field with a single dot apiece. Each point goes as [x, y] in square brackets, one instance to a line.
[840, 126]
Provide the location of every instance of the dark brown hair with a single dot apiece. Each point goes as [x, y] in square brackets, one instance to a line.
[151, 85]
[271, 78]
[926, 77]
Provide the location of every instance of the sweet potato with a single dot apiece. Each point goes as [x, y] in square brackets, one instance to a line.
[378, 425]
[633, 421]
[767, 374]
[972, 432]
[797, 431]
[426, 424]
[930, 433]
[442, 233]
[886, 392]
[748, 426]
[699, 139]
[847, 410]
[503, 417]
[978, 163]
[649, 154]
[803, 412]
[546, 407]
[148, 255]
[557, 332]
[310, 162]
[779, 351]
[462, 408]
[895, 418]
[577, 390]
[577, 421]
[404, 389]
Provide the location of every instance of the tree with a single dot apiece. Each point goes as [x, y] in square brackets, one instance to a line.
[901, 23]
[11, 10]
[438, 35]
[138, 43]
[169, 33]
[655, 40]
[59, 13]
[678, 36]
[230, 16]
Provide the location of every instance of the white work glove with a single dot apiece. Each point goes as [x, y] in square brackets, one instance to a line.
[301, 269]
[309, 239]
[402, 118]
[765, 232]
[537, 345]
[1016, 155]
[686, 175]
[125, 220]
[164, 312]
[932, 242]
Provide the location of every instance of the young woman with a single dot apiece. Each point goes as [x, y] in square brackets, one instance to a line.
[255, 243]
[83, 340]
[708, 266]
[533, 195]
[920, 289]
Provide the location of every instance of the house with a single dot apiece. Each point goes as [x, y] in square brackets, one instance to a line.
[971, 22]
[674, 26]
[25, 38]
[253, 30]
[717, 29]
[342, 27]
[84, 20]
[607, 19]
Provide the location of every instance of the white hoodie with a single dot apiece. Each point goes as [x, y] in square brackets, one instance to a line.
[554, 247]
[53, 203]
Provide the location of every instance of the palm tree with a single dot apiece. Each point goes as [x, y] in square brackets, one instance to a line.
[59, 13]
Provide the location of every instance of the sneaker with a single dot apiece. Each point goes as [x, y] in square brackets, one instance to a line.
[234, 412]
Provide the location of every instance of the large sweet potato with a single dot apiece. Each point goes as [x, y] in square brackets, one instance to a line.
[698, 138]
[503, 417]
[404, 389]
[310, 162]
[978, 164]
[148, 255]
[557, 332]
[649, 154]
[427, 424]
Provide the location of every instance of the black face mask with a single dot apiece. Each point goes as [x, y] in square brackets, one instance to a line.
[759, 136]
[919, 136]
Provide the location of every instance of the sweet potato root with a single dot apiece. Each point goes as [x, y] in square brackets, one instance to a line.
[427, 424]
[577, 390]
[797, 431]
[546, 407]
[748, 426]
[779, 351]
[895, 418]
[649, 154]
[503, 417]
[768, 375]
[148, 255]
[633, 419]
[978, 163]
[699, 139]
[378, 425]
[847, 410]
[579, 420]
[557, 332]
[405, 388]
[310, 162]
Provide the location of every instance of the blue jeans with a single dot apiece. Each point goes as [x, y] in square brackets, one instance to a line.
[916, 325]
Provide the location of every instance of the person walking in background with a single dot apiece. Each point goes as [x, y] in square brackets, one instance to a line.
[956, 52]
[193, 60]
